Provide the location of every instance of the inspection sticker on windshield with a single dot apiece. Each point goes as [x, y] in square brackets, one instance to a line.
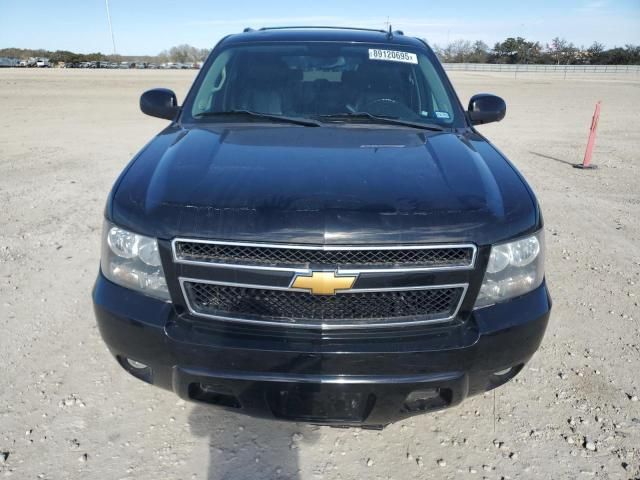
[392, 56]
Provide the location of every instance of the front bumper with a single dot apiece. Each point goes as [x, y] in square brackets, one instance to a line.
[351, 381]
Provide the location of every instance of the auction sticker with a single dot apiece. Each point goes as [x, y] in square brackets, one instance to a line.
[392, 56]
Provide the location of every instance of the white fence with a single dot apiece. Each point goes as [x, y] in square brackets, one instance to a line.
[557, 69]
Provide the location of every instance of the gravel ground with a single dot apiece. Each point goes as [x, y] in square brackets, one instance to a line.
[67, 411]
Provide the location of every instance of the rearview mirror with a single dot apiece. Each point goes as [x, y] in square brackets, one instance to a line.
[159, 102]
[486, 108]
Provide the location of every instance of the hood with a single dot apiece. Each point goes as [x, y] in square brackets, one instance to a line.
[327, 185]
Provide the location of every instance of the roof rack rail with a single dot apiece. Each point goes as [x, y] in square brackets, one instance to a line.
[248, 29]
[324, 26]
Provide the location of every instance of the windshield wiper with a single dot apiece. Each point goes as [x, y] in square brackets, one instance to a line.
[306, 122]
[382, 119]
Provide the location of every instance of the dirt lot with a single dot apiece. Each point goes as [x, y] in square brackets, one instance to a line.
[67, 411]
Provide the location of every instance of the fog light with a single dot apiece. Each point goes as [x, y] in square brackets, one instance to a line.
[136, 368]
[135, 364]
[500, 377]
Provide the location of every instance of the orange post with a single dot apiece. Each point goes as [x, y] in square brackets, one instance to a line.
[586, 163]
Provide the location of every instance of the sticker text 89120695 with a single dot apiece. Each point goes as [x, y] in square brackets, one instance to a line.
[392, 56]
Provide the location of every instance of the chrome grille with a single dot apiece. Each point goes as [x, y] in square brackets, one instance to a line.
[352, 308]
[418, 257]
[256, 283]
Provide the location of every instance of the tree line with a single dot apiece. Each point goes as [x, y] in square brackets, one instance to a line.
[520, 51]
[512, 50]
[177, 54]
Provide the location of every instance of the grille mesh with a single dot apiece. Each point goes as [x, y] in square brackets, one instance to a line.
[305, 308]
[273, 256]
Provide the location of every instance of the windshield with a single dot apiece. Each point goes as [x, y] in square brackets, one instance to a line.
[331, 82]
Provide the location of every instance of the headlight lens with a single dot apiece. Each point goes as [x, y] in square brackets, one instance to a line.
[133, 261]
[514, 268]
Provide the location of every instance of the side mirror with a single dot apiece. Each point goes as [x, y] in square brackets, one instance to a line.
[159, 102]
[486, 108]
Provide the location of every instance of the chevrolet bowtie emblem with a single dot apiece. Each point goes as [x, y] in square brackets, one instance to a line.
[323, 283]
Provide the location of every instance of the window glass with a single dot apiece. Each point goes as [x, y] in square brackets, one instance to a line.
[322, 79]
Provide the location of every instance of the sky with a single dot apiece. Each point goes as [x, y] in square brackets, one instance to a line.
[146, 27]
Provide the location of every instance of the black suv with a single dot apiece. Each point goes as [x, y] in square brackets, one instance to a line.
[321, 235]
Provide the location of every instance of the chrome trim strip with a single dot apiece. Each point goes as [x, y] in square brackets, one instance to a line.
[470, 266]
[238, 266]
[292, 289]
[308, 378]
[323, 326]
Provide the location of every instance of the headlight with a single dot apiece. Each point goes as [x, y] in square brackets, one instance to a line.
[514, 269]
[132, 261]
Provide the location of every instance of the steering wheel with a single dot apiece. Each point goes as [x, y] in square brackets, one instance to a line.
[382, 101]
[388, 107]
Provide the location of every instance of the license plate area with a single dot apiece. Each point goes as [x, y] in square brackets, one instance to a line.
[320, 402]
